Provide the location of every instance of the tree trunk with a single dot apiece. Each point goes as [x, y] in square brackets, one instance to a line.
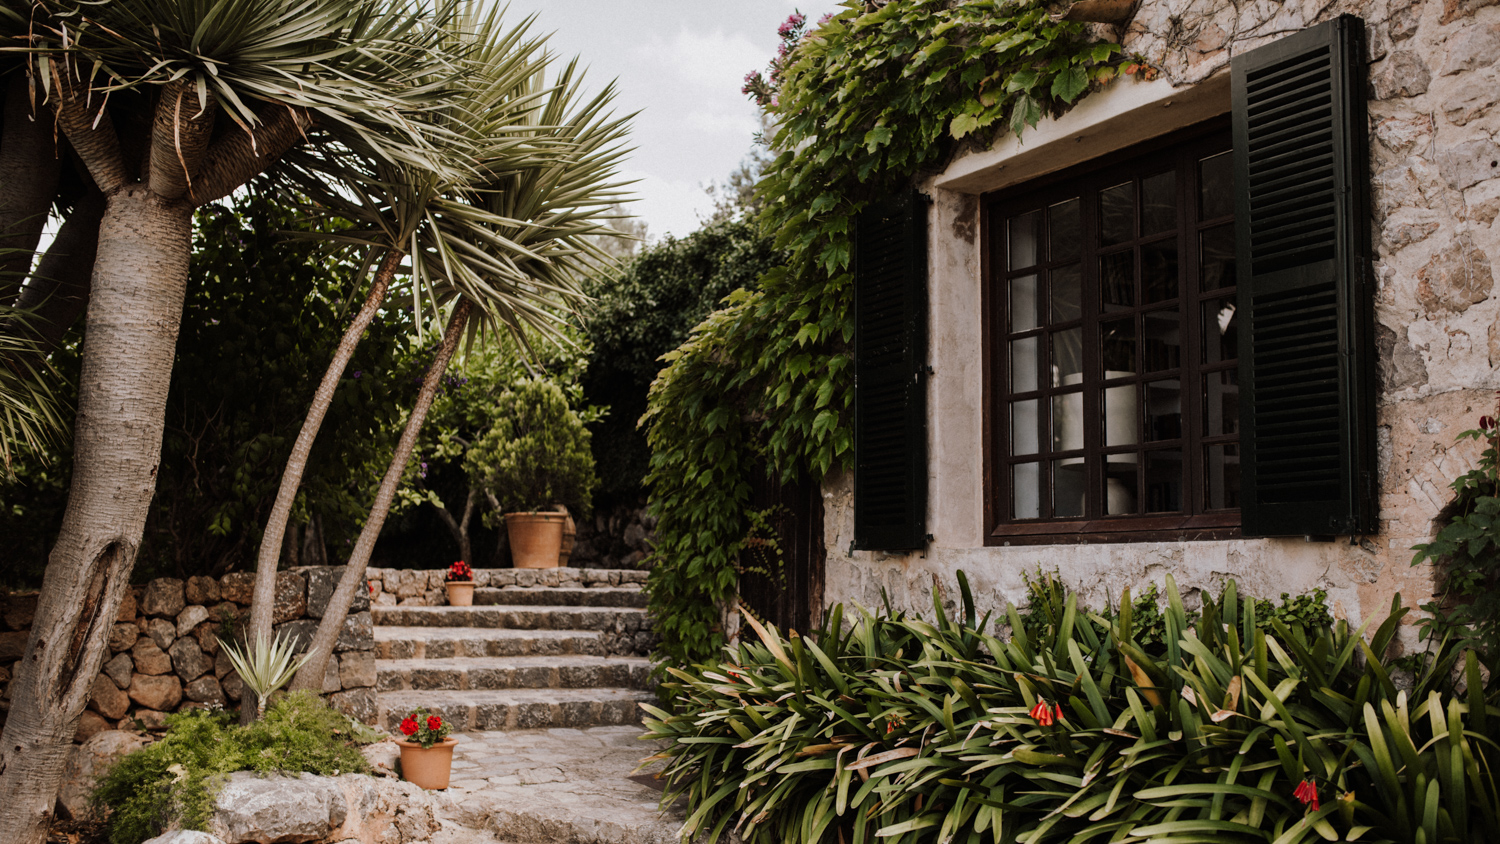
[58, 292]
[133, 316]
[310, 676]
[29, 169]
[264, 596]
[460, 529]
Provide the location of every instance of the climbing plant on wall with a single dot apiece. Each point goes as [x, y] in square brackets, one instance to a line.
[863, 103]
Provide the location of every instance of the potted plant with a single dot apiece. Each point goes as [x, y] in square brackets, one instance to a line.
[459, 581]
[534, 461]
[427, 750]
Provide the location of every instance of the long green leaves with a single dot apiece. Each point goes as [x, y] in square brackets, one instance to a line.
[31, 416]
[265, 665]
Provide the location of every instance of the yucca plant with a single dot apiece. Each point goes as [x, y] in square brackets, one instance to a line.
[265, 665]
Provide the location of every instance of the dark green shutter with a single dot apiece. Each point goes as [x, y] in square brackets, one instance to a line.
[1303, 229]
[890, 384]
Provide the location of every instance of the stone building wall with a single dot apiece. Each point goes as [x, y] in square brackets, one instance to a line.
[1435, 166]
[164, 653]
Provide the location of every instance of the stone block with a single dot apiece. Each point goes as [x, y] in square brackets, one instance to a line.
[265, 809]
[90, 724]
[358, 634]
[189, 660]
[358, 704]
[161, 631]
[237, 587]
[150, 719]
[119, 668]
[233, 686]
[86, 763]
[19, 610]
[291, 597]
[321, 583]
[207, 635]
[13, 645]
[357, 669]
[129, 604]
[1402, 74]
[202, 590]
[163, 597]
[150, 659]
[300, 632]
[185, 836]
[331, 675]
[122, 636]
[162, 692]
[191, 617]
[205, 689]
[222, 665]
[107, 699]
[1471, 48]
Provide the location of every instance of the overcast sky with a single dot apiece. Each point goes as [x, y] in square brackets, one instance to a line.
[680, 63]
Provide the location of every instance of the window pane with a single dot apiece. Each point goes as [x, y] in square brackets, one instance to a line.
[1067, 357]
[1220, 337]
[1023, 428]
[1162, 348]
[1221, 403]
[1067, 296]
[1164, 481]
[1159, 203]
[1023, 365]
[1216, 258]
[1221, 476]
[1026, 485]
[1117, 214]
[1163, 410]
[1065, 227]
[1216, 186]
[1117, 281]
[1067, 422]
[1023, 303]
[1117, 340]
[1023, 239]
[1069, 483]
[1159, 271]
[1121, 417]
[1120, 485]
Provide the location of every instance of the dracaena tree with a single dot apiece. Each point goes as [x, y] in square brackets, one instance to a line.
[171, 104]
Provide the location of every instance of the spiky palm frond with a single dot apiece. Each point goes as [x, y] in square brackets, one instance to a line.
[265, 665]
[31, 414]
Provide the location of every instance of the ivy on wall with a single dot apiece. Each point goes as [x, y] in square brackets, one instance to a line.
[863, 103]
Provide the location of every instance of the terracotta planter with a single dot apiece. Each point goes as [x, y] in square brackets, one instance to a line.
[535, 539]
[460, 593]
[570, 538]
[427, 767]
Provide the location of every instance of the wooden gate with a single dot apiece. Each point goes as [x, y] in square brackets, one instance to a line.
[788, 595]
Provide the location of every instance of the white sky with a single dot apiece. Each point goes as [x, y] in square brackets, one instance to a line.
[681, 64]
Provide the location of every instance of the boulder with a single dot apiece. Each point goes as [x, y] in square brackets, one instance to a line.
[207, 635]
[190, 618]
[150, 719]
[86, 762]
[185, 836]
[90, 724]
[122, 636]
[162, 692]
[150, 659]
[357, 669]
[163, 597]
[206, 689]
[128, 604]
[19, 610]
[189, 660]
[291, 597]
[222, 665]
[277, 809]
[162, 631]
[237, 587]
[119, 669]
[384, 757]
[233, 686]
[107, 699]
[13, 645]
[202, 590]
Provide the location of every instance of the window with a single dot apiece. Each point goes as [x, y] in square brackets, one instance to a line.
[1113, 396]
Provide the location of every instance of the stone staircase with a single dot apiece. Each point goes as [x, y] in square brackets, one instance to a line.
[555, 648]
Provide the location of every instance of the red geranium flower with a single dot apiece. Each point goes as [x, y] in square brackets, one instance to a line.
[409, 726]
[1307, 793]
[434, 722]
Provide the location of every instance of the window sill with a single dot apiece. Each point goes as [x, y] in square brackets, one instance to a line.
[1134, 529]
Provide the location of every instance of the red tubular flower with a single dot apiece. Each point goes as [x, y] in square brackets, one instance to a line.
[409, 726]
[1307, 793]
[434, 723]
[1043, 714]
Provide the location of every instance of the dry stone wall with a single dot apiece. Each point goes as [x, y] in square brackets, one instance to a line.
[164, 652]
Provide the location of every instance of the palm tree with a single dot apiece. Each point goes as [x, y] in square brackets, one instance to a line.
[171, 104]
[30, 415]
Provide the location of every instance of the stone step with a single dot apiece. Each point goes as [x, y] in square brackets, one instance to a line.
[598, 596]
[514, 672]
[447, 642]
[516, 709]
[609, 619]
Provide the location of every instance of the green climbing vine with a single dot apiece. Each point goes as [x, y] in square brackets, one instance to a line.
[863, 102]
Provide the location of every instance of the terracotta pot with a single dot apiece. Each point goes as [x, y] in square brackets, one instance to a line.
[535, 539]
[460, 593]
[570, 538]
[427, 767]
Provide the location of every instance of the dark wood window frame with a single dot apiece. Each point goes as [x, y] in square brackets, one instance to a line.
[1195, 520]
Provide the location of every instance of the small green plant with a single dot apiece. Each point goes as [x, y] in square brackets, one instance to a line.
[425, 728]
[265, 666]
[536, 455]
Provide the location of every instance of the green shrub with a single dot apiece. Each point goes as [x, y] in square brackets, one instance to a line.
[174, 780]
[537, 452]
[897, 729]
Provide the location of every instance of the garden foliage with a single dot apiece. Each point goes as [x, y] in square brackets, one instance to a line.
[536, 454]
[1071, 728]
[863, 103]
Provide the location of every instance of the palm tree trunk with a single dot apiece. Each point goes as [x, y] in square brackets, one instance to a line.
[58, 292]
[264, 596]
[310, 676]
[135, 307]
[29, 169]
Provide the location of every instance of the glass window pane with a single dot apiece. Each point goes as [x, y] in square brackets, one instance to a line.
[1159, 203]
[1023, 240]
[1117, 340]
[1221, 476]
[1023, 427]
[1216, 186]
[1067, 357]
[1163, 410]
[1117, 214]
[1216, 258]
[1065, 229]
[1159, 272]
[1221, 403]
[1121, 416]
[1023, 365]
[1026, 490]
[1219, 331]
[1117, 281]
[1023, 303]
[1164, 481]
[1069, 485]
[1120, 496]
[1067, 422]
[1162, 346]
[1067, 296]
